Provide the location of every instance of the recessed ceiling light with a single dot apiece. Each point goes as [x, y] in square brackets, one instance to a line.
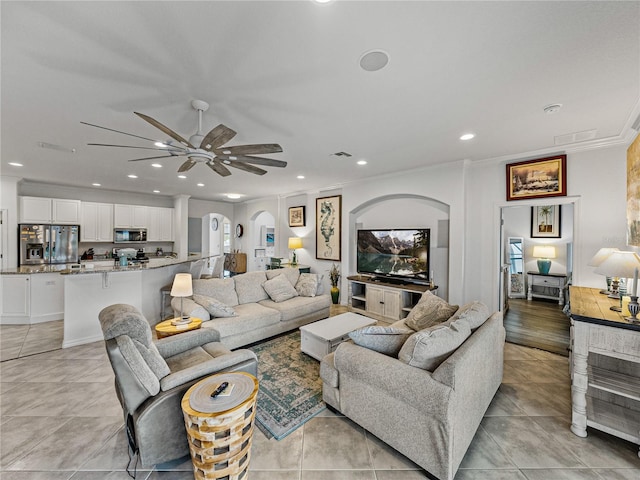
[233, 195]
[156, 165]
[374, 60]
[300, 177]
[200, 184]
[553, 108]
[132, 176]
[322, 1]
[182, 176]
[156, 191]
[16, 164]
[361, 162]
[96, 184]
[467, 136]
[161, 145]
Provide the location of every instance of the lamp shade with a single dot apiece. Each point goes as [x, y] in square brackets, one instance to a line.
[544, 251]
[182, 286]
[601, 255]
[295, 242]
[619, 264]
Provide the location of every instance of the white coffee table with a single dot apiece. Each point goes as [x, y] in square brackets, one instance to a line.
[322, 337]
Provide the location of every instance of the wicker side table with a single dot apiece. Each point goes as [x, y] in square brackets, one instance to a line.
[220, 435]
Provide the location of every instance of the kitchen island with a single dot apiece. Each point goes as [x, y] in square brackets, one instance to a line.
[88, 290]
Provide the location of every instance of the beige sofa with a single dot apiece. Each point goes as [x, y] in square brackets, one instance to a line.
[429, 415]
[253, 306]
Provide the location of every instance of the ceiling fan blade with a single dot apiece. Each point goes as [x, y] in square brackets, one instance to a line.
[216, 137]
[166, 130]
[165, 149]
[269, 162]
[260, 148]
[188, 165]
[150, 158]
[247, 168]
[118, 131]
[219, 168]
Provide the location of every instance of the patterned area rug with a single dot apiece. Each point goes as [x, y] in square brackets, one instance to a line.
[290, 386]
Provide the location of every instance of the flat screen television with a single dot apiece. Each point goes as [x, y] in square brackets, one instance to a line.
[398, 254]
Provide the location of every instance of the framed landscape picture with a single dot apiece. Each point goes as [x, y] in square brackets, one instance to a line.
[545, 221]
[543, 177]
[296, 217]
[328, 228]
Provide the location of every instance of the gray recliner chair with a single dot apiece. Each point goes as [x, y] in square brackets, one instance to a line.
[152, 377]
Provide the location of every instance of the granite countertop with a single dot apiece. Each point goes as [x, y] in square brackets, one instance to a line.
[154, 262]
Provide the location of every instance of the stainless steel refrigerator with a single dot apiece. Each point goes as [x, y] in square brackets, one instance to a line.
[48, 244]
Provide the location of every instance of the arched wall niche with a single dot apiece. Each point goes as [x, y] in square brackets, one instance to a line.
[406, 211]
[259, 221]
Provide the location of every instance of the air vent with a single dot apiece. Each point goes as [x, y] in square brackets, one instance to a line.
[53, 146]
[575, 137]
[341, 154]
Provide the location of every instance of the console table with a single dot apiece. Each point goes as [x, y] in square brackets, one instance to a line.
[299, 266]
[605, 367]
[386, 300]
[550, 286]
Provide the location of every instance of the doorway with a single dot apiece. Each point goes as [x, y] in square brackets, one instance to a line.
[530, 319]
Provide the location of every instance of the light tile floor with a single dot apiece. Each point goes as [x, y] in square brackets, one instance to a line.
[60, 420]
[23, 340]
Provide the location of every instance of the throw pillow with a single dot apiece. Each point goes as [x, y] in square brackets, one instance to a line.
[291, 273]
[429, 311]
[307, 285]
[428, 348]
[476, 313]
[214, 307]
[386, 340]
[279, 289]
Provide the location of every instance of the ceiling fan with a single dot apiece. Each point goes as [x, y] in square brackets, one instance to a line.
[207, 149]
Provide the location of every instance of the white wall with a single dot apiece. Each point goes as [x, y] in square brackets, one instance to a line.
[596, 184]
[9, 202]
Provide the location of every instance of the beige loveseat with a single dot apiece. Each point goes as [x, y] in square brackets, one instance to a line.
[253, 306]
[423, 401]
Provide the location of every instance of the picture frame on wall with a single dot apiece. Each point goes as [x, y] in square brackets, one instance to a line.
[539, 178]
[329, 228]
[297, 217]
[546, 221]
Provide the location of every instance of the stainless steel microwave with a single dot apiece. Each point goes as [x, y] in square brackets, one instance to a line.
[129, 235]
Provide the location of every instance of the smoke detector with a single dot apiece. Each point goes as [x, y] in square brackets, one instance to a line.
[553, 108]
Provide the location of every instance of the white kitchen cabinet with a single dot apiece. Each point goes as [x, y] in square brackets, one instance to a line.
[96, 224]
[35, 298]
[16, 302]
[160, 224]
[65, 211]
[35, 210]
[130, 216]
[47, 297]
[49, 210]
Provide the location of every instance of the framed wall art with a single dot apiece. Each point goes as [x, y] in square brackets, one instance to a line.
[543, 177]
[297, 217]
[545, 221]
[329, 228]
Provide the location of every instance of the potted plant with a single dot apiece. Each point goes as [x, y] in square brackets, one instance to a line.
[334, 278]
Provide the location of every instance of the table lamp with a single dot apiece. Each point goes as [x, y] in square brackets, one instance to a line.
[543, 253]
[294, 243]
[600, 256]
[620, 265]
[182, 287]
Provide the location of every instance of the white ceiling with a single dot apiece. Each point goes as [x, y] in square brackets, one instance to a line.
[287, 72]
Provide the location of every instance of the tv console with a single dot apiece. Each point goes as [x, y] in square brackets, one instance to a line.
[382, 299]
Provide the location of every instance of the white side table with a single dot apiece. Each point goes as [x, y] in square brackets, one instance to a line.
[550, 286]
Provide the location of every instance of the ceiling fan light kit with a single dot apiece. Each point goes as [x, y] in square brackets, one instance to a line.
[209, 150]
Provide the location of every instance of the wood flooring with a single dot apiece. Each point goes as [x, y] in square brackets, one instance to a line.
[539, 324]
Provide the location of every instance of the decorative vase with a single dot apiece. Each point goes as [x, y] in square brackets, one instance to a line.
[335, 295]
